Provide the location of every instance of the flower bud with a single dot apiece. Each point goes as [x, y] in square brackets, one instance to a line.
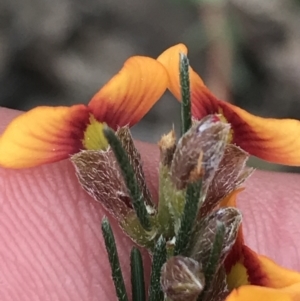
[199, 151]
[182, 279]
[230, 174]
[167, 146]
[205, 233]
[100, 176]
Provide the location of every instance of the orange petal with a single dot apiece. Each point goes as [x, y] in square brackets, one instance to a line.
[43, 135]
[130, 94]
[257, 293]
[293, 291]
[275, 140]
[170, 59]
[251, 268]
[230, 199]
[265, 272]
[270, 139]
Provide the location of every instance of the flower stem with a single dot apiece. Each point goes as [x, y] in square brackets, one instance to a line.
[129, 178]
[186, 119]
[159, 258]
[114, 260]
[137, 276]
[188, 218]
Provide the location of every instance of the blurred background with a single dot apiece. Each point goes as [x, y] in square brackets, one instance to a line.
[60, 52]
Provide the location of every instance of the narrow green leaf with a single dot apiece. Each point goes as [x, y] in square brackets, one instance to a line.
[114, 260]
[188, 218]
[129, 178]
[211, 269]
[137, 276]
[159, 258]
[186, 119]
[125, 137]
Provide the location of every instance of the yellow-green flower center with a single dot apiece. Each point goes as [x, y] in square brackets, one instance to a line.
[237, 276]
[94, 138]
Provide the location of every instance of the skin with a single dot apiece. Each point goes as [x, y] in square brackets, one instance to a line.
[52, 248]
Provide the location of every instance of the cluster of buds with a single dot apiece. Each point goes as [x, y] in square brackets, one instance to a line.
[187, 228]
[188, 233]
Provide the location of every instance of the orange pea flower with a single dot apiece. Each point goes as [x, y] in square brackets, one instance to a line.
[49, 134]
[270, 139]
[251, 276]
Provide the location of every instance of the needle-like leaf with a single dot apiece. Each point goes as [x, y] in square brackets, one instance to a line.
[137, 276]
[186, 116]
[114, 260]
[129, 178]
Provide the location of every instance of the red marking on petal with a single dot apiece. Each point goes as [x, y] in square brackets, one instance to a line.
[236, 253]
[256, 275]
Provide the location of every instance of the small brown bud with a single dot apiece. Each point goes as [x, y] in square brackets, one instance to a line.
[205, 232]
[198, 172]
[167, 146]
[199, 151]
[182, 279]
[231, 173]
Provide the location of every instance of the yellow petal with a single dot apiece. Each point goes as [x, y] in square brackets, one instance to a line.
[256, 293]
[130, 94]
[267, 138]
[43, 135]
[237, 276]
[94, 138]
